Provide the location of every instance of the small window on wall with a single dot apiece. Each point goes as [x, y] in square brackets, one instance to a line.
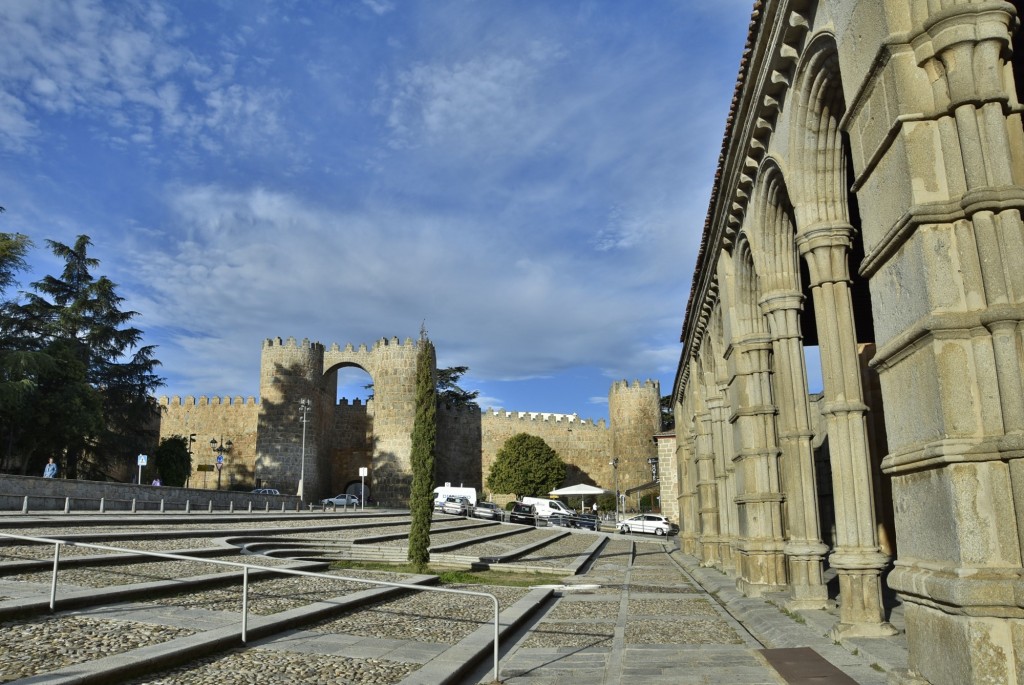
[354, 384]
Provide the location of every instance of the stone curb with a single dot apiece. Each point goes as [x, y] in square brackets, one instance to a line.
[155, 658]
[452, 665]
[20, 608]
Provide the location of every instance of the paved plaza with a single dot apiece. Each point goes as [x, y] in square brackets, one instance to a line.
[612, 609]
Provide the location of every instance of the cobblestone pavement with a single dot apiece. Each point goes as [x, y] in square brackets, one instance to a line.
[639, 612]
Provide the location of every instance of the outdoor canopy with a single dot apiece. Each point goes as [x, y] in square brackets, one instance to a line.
[580, 490]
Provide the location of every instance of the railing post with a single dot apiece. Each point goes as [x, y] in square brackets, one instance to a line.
[67, 505]
[268, 506]
[282, 507]
[231, 507]
[103, 505]
[53, 583]
[209, 509]
[161, 505]
[250, 506]
[188, 506]
[24, 505]
[134, 505]
[245, 602]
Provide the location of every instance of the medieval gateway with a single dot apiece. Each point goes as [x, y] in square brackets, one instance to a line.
[867, 202]
[269, 437]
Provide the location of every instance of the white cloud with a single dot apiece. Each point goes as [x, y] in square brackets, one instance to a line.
[115, 64]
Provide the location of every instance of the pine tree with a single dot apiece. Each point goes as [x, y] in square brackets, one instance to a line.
[81, 316]
[424, 438]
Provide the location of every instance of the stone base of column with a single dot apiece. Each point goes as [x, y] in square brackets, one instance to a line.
[709, 547]
[947, 649]
[805, 558]
[861, 612]
[761, 568]
[688, 544]
[725, 553]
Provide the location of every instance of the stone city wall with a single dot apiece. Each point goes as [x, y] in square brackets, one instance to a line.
[217, 419]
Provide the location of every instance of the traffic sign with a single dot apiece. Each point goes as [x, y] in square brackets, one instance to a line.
[220, 458]
[143, 459]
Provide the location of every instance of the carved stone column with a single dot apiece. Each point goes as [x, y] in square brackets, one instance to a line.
[725, 479]
[857, 558]
[762, 561]
[707, 493]
[689, 521]
[805, 551]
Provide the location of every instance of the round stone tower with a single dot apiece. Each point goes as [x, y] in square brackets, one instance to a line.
[291, 372]
[634, 412]
[394, 413]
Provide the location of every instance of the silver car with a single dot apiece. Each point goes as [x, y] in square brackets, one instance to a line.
[487, 510]
[458, 506]
[343, 500]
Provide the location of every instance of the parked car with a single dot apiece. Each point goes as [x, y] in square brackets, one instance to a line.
[488, 510]
[588, 522]
[266, 491]
[342, 500]
[562, 520]
[458, 506]
[523, 513]
[648, 523]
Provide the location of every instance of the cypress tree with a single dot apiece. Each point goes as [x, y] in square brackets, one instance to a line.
[424, 438]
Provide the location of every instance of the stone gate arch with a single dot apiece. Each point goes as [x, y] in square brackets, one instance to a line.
[291, 371]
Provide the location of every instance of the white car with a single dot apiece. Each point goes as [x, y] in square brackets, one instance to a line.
[459, 506]
[341, 501]
[648, 523]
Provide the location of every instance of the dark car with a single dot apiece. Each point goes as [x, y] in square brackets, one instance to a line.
[487, 510]
[588, 522]
[523, 513]
[561, 520]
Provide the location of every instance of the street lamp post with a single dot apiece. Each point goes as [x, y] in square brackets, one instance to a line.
[614, 463]
[191, 440]
[304, 406]
[221, 448]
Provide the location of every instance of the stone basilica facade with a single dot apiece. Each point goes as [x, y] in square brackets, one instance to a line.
[868, 202]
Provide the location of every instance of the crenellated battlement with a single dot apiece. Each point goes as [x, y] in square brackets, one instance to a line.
[542, 417]
[291, 343]
[203, 400]
[626, 386]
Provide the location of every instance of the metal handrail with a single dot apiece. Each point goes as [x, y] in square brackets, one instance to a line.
[245, 578]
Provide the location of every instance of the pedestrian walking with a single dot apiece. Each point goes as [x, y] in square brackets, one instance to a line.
[50, 470]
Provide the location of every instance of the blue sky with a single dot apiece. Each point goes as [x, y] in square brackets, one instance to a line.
[528, 178]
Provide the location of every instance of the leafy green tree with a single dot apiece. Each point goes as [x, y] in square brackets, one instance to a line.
[448, 390]
[668, 415]
[172, 461]
[526, 466]
[83, 314]
[424, 439]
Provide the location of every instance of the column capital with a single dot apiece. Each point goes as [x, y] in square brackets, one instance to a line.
[824, 247]
[780, 300]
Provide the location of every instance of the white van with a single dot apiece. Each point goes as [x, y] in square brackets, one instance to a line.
[547, 507]
[445, 491]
